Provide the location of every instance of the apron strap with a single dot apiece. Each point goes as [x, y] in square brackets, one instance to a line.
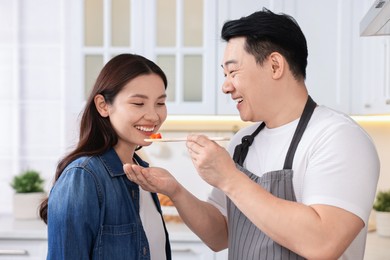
[241, 150]
[303, 121]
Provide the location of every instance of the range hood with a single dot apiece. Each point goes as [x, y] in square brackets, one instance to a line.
[377, 19]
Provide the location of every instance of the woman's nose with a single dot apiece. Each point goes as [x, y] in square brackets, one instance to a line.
[152, 115]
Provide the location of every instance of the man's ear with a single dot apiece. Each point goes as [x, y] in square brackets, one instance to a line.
[278, 63]
[101, 105]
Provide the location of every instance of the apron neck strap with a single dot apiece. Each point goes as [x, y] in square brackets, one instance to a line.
[241, 150]
[302, 124]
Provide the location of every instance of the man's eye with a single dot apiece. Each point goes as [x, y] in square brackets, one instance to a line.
[138, 104]
[161, 103]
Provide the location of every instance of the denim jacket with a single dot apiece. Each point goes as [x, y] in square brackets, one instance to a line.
[93, 212]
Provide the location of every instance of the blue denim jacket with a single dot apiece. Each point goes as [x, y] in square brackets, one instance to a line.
[93, 212]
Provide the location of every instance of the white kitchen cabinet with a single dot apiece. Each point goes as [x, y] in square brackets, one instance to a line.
[191, 251]
[373, 93]
[186, 245]
[23, 249]
[178, 35]
[328, 29]
[195, 251]
[340, 73]
[22, 239]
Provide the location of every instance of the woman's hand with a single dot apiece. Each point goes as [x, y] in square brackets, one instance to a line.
[152, 179]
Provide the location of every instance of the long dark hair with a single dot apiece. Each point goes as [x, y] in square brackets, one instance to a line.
[96, 132]
[266, 32]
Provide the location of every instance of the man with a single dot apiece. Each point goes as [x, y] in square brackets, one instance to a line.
[302, 181]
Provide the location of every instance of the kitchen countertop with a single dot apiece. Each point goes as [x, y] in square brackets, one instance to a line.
[377, 248]
[11, 228]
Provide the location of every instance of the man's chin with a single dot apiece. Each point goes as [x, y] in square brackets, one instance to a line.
[245, 118]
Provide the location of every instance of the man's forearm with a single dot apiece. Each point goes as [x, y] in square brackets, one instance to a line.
[203, 219]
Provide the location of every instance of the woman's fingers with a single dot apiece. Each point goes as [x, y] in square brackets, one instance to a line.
[134, 173]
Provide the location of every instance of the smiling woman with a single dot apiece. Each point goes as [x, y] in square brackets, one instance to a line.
[126, 105]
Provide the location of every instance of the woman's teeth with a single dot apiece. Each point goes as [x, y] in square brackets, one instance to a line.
[145, 129]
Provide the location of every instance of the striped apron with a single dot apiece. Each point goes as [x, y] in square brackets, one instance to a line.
[246, 241]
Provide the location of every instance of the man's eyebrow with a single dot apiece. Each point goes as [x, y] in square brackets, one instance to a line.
[228, 62]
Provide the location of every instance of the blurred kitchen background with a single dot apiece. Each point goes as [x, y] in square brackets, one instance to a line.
[52, 50]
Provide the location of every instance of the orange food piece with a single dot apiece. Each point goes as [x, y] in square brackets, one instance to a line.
[155, 136]
[164, 200]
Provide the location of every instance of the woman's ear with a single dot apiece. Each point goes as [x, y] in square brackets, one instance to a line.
[277, 62]
[101, 105]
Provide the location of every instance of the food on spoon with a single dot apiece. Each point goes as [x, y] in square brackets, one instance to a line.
[155, 136]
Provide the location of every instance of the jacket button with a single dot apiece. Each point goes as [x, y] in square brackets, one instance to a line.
[145, 250]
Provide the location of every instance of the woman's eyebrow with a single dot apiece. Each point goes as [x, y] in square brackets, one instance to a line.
[138, 96]
[145, 96]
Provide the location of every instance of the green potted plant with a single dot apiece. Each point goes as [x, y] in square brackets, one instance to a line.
[382, 211]
[29, 193]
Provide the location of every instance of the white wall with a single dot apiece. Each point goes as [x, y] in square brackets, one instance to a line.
[31, 89]
[380, 133]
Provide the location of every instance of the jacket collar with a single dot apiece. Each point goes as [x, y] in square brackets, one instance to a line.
[113, 164]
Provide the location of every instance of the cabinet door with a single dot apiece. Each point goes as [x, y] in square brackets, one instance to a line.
[327, 27]
[183, 44]
[191, 251]
[23, 249]
[373, 83]
[178, 35]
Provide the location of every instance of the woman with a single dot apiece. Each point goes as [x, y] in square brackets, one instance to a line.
[93, 210]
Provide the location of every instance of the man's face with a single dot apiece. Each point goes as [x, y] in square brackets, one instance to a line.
[247, 82]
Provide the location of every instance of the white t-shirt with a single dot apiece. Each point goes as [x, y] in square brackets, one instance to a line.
[336, 163]
[153, 226]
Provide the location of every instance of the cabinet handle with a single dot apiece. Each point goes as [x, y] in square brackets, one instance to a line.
[13, 252]
[182, 250]
[386, 70]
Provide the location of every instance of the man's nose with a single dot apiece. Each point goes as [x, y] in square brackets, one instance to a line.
[227, 86]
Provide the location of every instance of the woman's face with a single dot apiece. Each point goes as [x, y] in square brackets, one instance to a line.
[138, 110]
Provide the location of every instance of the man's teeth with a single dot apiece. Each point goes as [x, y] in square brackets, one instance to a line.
[239, 100]
[146, 129]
